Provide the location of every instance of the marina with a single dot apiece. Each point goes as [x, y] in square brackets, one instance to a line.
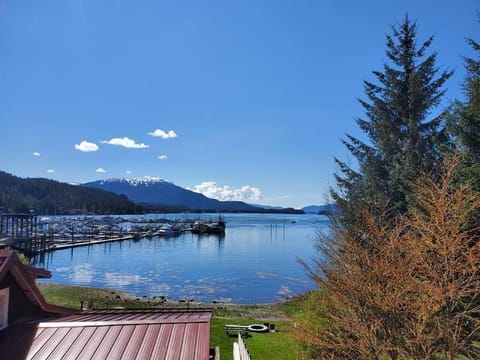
[255, 261]
[33, 235]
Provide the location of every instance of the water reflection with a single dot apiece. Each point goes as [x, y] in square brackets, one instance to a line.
[255, 261]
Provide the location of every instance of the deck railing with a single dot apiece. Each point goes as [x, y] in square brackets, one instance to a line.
[240, 351]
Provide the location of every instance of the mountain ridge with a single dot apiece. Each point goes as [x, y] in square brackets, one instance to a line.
[156, 191]
[45, 196]
[130, 195]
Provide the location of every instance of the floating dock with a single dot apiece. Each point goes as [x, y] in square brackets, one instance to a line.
[32, 235]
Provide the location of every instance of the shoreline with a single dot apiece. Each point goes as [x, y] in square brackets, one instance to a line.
[100, 298]
[255, 263]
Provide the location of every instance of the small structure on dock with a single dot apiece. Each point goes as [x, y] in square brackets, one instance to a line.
[19, 231]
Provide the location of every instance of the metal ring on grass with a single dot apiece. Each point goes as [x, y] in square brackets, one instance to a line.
[257, 328]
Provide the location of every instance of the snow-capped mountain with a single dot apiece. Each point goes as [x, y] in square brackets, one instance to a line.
[138, 181]
[157, 191]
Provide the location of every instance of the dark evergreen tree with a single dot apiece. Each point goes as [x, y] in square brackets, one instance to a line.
[465, 129]
[405, 135]
[469, 115]
[51, 197]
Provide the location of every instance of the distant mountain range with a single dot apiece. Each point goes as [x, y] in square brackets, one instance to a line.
[155, 191]
[121, 196]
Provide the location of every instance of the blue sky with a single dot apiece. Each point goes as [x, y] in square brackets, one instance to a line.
[248, 99]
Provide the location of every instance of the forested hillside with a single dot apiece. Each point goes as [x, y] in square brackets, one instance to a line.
[51, 197]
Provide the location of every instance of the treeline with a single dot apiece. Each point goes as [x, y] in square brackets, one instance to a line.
[256, 210]
[164, 208]
[49, 197]
[399, 270]
[52, 197]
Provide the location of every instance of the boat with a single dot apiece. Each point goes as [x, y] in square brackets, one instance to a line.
[209, 227]
[167, 230]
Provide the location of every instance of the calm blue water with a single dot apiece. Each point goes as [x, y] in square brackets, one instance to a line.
[256, 261]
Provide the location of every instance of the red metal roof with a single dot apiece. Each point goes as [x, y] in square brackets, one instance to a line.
[25, 276]
[112, 334]
[52, 332]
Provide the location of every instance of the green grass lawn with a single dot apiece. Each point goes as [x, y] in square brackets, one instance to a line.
[73, 296]
[279, 345]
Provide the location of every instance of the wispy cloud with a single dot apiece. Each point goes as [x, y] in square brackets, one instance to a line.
[128, 172]
[224, 193]
[35, 153]
[101, 170]
[51, 171]
[125, 142]
[164, 135]
[86, 146]
[162, 157]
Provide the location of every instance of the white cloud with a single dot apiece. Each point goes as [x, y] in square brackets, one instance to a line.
[35, 153]
[86, 146]
[51, 171]
[101, 170]
[125, 142]
[212, 190]
[162, 157]
[128, 172]
[164, 135]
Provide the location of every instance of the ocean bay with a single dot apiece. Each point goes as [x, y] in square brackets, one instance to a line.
[254, 262]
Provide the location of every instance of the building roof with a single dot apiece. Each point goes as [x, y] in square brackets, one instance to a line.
[113, 334]
[25, 276]
[8, 258]
[38, 330]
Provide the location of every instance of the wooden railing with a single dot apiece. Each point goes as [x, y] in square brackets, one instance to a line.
[240, 351]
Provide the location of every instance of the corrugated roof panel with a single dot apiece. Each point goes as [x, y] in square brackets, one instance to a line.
[203, 340]
[64, 345]
[93, 343]
[50, 344]
[176, 341]
[148, 344]
[104, 348]
[162, 342]
[189, 342]
[135, 343]
[42, 336]
[154, 316]
[111, 315]
[127, 335]
[82, 340]
[174, 315]
[138, 316]
[120, 342]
